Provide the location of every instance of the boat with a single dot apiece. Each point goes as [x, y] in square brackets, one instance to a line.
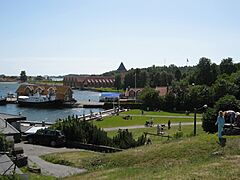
[39, 101]
[3, 100]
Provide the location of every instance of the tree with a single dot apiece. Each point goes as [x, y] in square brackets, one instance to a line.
[150, 99]
[223, 86]
[228, 102]
[227, 66]
[23, 76]
[204, 74]
[178, 74]
[118, 83]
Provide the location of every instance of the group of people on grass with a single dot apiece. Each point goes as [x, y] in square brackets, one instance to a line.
[227, 117]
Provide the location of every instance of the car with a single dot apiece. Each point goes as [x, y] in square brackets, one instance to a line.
[47, 137]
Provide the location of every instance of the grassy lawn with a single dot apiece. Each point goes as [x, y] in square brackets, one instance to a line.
[118, 121]
[185, 158]
[71, 159]
[35, 176]
[161, 113]
[186, 130]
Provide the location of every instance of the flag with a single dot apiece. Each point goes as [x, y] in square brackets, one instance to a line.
[187, 60]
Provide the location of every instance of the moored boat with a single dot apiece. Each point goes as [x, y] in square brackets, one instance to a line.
[39, 101]
[3, 100]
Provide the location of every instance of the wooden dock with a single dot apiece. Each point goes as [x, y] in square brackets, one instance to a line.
[85, 104]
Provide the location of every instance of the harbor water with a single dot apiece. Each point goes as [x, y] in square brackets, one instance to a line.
[47, 115]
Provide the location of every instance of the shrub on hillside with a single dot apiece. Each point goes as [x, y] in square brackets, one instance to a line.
[209, 119]
[125, 140]
[82, 131]
[85, 132]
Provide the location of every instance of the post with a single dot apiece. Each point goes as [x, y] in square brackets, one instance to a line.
[195, 122]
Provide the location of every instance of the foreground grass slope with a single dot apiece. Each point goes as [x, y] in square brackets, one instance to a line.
[186, 158]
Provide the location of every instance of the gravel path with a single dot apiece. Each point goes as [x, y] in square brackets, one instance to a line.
[142, 126]
[34, 151]
[161, 116]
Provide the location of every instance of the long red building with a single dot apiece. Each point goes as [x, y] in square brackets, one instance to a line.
[80, 81]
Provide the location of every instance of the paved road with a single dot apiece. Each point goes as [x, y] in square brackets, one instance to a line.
[34, 151]
[142, 126]
[149, 115]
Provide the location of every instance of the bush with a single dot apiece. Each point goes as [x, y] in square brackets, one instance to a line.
[82, 131]
[85, 132]
[209, 120]
[178, 135]
[124, 140]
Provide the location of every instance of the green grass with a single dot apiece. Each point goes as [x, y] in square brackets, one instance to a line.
[161, 113]
[72, 159]
[35, 176]
[187, 130]
[185, 158]
[118, 121]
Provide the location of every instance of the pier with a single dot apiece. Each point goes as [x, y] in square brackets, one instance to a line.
[85, 104]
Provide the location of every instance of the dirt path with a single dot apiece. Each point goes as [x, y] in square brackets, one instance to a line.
[34, 151]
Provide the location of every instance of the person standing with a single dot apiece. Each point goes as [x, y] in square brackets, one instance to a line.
[220, 122]
[169, 124]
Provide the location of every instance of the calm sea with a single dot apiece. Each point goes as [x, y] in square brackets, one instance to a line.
[47, 115]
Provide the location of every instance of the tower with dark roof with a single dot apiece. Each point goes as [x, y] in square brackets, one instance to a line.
[121, 68]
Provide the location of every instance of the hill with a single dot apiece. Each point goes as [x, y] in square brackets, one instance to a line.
[188, 157]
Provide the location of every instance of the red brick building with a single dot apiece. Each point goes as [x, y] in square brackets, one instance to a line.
[78, 81]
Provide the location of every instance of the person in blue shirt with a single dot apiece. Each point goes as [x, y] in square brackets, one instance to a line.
[220, 122]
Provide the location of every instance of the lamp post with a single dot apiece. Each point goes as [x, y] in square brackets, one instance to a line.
[195, 118]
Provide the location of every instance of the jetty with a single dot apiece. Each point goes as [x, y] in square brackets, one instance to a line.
[85, 104]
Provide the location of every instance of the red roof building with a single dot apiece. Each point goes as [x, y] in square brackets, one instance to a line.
[78, 81]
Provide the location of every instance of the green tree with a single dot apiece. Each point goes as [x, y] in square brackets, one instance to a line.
[117, 82]
[223, 86]
[178, 74]
[23, 76]
[227, 66]
[204, 74]
[150, 99]
[227, 102]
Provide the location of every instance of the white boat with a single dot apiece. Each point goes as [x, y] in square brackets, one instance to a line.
[3, 100]
[39, 100]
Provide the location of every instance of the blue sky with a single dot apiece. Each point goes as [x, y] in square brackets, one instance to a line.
[58, 37]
